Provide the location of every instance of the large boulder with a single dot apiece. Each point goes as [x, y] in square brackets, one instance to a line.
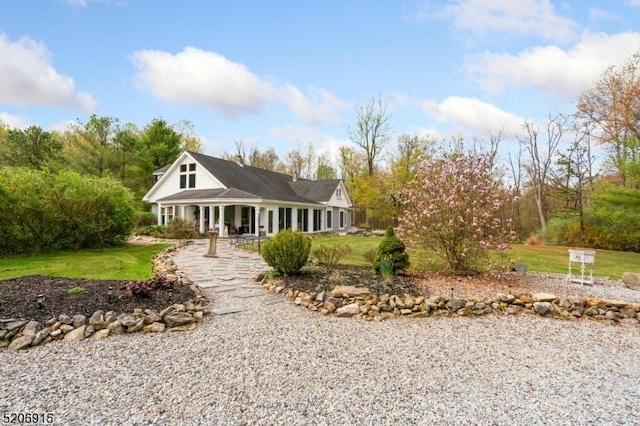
[631, 280]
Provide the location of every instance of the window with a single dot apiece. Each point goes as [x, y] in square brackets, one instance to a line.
[342, 217]
[188, 179]
[303, 220]
[329, 224]
[339, 193]
[270, 222]
[317, 220]
[284, 218]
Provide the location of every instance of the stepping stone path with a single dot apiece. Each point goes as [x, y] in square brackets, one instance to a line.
[227, 278]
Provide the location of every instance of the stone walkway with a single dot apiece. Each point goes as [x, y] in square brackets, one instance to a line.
[228, 278]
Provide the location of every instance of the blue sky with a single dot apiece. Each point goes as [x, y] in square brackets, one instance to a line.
[284, 74]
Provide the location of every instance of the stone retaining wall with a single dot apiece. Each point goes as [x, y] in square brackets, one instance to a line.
[19, 334]
[358, 302]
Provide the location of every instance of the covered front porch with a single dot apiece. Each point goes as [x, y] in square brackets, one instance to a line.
[252, 219]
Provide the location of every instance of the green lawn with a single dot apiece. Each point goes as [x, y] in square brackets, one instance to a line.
[130, 262]
[537, 258]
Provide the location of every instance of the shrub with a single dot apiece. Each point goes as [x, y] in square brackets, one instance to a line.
[156, 231]
[533, 240]
[287, 252]
[143, 219]
[370, 255]
[391, 251]
[41, 211]
[180, 229]
[329, 257]
[454, 208]
[143, 289]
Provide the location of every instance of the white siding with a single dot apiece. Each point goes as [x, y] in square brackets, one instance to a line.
[171, 181]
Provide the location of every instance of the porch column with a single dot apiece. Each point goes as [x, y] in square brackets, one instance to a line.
[182, 212]
[256, 209]
[211, 218]
[276, 220]
[159, 214]
[221, 230]
[201, 227]
[294, 219]
[312, 218]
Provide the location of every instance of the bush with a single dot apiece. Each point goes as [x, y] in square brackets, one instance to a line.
[180, 229]
[533, 240]
[144, 219]
[329, 257]
[454, 207]
[40, 211]
[287, 252]
[391, 251]
[370, 255]
[143, 289]
[156, 231]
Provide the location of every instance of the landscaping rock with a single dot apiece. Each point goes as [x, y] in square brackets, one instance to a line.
[20, 343]
[127, 320]
[454, 304]
[78, 320]
[543, 308]
[40, 336]
[76, 334]
[631, 280]
[116, 327]
[31, 328]
[101, 334]
[544, 297]
[350, 291]
[348, 310]
[156, 327]
[97, 320]
[15, 325]
[177, 319]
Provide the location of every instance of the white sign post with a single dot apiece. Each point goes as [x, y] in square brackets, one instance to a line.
[585, 258]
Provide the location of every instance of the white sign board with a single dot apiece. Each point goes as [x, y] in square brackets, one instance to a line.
[582, 256]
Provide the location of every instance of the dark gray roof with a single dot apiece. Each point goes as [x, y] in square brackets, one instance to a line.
[315, 190]
[259, 183]
[204, 194]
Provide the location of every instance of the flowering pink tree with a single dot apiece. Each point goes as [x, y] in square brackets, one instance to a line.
[454, 208]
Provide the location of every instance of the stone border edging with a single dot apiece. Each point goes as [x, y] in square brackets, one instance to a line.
[359, 302]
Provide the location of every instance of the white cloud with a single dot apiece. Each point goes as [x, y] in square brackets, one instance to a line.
[551, 69]
[206, 79]
[517, 18]
[634, 2]
[28, 78]
[13, 121]
[473, 114]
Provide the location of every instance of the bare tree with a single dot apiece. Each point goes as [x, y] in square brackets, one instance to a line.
[612, 105]
[372, 130]
[515, 166]
[541, 157]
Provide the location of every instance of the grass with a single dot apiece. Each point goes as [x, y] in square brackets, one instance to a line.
[130, 262]
[610, 264]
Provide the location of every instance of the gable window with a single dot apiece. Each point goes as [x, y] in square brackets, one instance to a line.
[188, 175]
[339, 193]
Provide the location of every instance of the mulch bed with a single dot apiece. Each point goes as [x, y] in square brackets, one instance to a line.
[313, 279]
[18, 297]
